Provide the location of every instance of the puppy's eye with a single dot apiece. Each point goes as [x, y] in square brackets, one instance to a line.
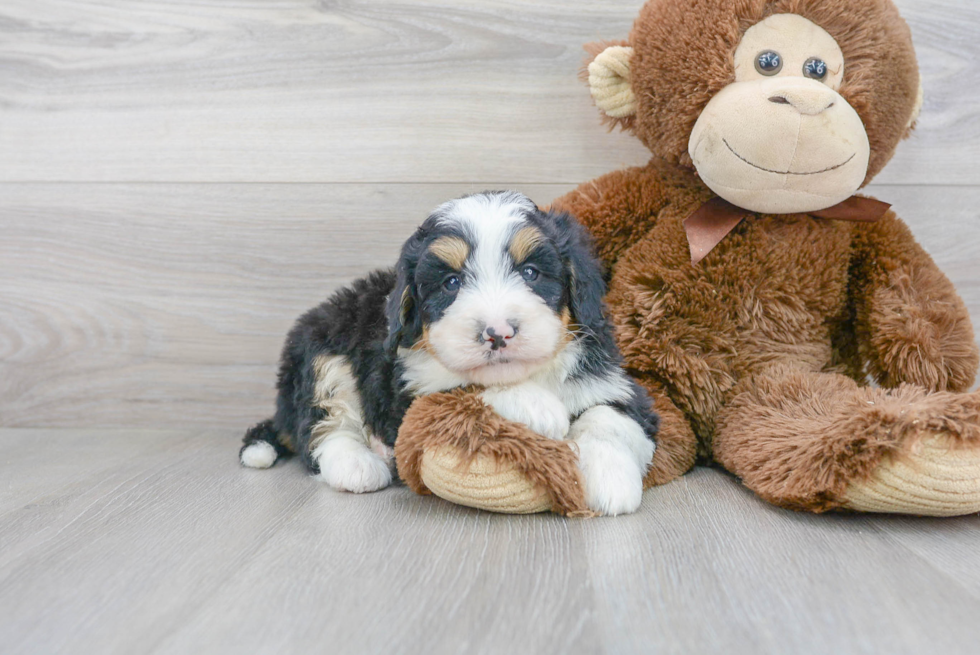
[815, 69]
[529, 273]
[768, 62]
[451, 283]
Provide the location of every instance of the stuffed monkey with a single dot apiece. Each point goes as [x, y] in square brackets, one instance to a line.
[752, 292]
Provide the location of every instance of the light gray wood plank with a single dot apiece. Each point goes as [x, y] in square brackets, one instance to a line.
[166, 305]
[957, 559]
[404, 574]
[420, 91]
[113, 561]
[779, 581]
[176, 549]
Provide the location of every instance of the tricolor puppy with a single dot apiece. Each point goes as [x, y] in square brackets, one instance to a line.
[489, 291]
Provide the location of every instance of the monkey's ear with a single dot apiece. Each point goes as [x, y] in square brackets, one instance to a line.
[609, 78]
[916, 110]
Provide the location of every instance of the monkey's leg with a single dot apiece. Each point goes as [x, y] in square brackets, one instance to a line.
[676, 443]
[818, 442]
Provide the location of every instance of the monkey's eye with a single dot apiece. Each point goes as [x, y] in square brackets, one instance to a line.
[451, 283]
[529, 273]
[815, 68]
[768, 62]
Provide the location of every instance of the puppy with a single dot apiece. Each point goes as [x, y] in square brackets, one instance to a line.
[489, 291]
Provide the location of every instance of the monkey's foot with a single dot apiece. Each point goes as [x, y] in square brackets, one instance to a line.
[938, 476]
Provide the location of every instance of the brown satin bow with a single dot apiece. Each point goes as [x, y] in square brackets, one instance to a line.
[713, 220]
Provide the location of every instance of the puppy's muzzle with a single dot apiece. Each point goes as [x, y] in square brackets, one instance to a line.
[498, 335]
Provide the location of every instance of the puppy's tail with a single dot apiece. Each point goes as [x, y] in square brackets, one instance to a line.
[262, 447]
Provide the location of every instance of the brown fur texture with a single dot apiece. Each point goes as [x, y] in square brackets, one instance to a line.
[459, 419]
[755, 356]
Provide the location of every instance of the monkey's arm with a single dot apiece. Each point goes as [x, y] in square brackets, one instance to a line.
[911, 324]
[617, 208]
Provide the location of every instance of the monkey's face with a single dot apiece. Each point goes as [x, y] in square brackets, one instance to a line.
[755, 95]
[781, 139]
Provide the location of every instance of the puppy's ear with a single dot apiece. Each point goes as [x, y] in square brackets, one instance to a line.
[586, 286]
[404, 318]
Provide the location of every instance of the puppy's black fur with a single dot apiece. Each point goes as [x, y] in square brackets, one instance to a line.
[352, 323]
[370, 320]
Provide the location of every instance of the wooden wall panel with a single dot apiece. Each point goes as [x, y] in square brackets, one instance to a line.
[179, 179]
[421, 91]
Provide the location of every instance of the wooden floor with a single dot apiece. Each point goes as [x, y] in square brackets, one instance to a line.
[179, 179]
[157, 542]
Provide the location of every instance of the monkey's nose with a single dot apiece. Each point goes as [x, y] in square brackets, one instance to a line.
[809, 100]
[499, 335]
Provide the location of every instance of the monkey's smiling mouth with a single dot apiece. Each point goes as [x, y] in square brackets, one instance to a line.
[769, 170]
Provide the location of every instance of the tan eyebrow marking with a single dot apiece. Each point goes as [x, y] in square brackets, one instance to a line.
[451, 250]
[524, 242]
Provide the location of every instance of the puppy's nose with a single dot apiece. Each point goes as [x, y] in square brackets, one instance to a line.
[498, 334]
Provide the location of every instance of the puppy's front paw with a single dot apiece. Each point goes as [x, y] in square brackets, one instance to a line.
[613, 481]
[348, 465]
[537, 408]
[613, 454]
[549, 420]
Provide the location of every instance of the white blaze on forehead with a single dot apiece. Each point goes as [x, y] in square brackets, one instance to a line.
[508, 202]
[488, 221]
